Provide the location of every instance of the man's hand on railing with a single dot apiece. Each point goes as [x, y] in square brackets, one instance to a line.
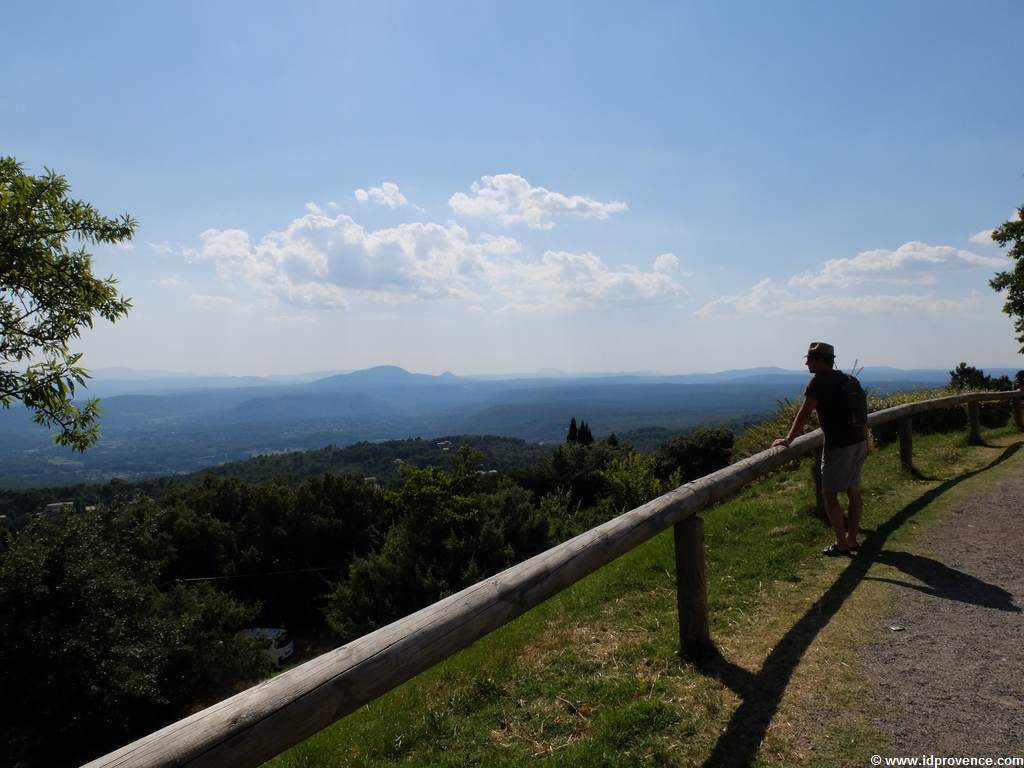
[783, 441]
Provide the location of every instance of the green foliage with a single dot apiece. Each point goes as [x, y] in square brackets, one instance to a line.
[632, 480]
[1012, 281]
[930, 422]
[967, 377]
[580, 434]
[700, 453]
[608, 645]
[758, 437]
[454, 528]
[48, 294]
[96, 652]
[132, 608]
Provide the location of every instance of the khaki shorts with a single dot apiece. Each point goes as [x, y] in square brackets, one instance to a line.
[841, 467]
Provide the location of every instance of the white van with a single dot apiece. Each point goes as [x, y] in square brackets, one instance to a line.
[276, 645]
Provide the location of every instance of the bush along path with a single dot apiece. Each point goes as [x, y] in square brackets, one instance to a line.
[593, 677]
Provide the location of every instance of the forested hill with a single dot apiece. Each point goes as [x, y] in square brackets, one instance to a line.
[383, 460]
[379, 460]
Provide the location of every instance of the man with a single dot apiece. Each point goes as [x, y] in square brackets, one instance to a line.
[846, 445]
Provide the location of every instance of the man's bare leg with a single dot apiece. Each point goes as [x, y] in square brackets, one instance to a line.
[835, 516]
[856, 508]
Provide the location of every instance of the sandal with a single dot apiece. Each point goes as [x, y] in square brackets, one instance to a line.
[833, 550]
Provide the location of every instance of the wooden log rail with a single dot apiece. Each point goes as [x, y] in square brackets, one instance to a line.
[265, 720]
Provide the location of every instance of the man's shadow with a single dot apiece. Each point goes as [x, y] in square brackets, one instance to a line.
[942, 581]
[762, 691]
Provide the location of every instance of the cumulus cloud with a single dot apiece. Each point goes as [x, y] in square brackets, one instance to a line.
[912, 262]
[387, 194]
[325, 261]
[851, 285]
[666, 262]
[510, 199]
[318, 260]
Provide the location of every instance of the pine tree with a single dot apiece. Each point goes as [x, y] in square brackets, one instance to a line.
[586, 437]
[573, 436]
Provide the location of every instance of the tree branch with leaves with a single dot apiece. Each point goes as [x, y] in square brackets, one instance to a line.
[1012, 281]
[48, 295]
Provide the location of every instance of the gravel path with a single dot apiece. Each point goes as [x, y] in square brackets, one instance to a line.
[956, 669]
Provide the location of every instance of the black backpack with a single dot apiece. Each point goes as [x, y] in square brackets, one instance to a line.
[853, 401]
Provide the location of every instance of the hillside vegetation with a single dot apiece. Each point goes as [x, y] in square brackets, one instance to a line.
[592, 677]
[129, 607]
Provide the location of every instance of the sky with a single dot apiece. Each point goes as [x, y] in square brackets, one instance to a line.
[494, 188]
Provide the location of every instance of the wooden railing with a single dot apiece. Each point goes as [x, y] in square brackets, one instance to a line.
[263, 721]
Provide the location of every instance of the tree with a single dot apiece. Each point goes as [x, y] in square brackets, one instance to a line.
[1012, 281]
[48, 294]
[586, 437]
[700, 453]
[573, 435]
[101, 653]
[966, 376]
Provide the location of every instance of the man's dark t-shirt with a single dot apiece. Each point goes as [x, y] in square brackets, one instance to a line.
[832, 413]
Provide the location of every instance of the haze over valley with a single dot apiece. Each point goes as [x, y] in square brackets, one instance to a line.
[156, 423]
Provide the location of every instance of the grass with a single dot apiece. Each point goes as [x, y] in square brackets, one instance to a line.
[592, 677]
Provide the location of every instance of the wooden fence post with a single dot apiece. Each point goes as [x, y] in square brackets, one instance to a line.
[691, 586]
[973, 413]
[906, 442]
[1018, 413]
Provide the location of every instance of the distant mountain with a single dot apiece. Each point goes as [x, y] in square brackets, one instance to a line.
[389, 375]
[171, 425]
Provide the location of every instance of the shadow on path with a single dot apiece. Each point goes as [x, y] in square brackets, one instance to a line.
[943, 581]
[762, 691]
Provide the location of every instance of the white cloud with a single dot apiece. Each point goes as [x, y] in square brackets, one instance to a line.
[667, 262]
[206, 301]
[982, 238]
[387, 194]
[767, 299]
[511, 200]
[162, 248]
[565, 280]
[832, 288]
[320, 261]
[172, 281]
[912, 263]
[323, 261]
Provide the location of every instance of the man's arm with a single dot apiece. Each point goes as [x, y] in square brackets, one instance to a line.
[802, 416]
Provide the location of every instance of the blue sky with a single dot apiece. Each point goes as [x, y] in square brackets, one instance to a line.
[481, 188]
